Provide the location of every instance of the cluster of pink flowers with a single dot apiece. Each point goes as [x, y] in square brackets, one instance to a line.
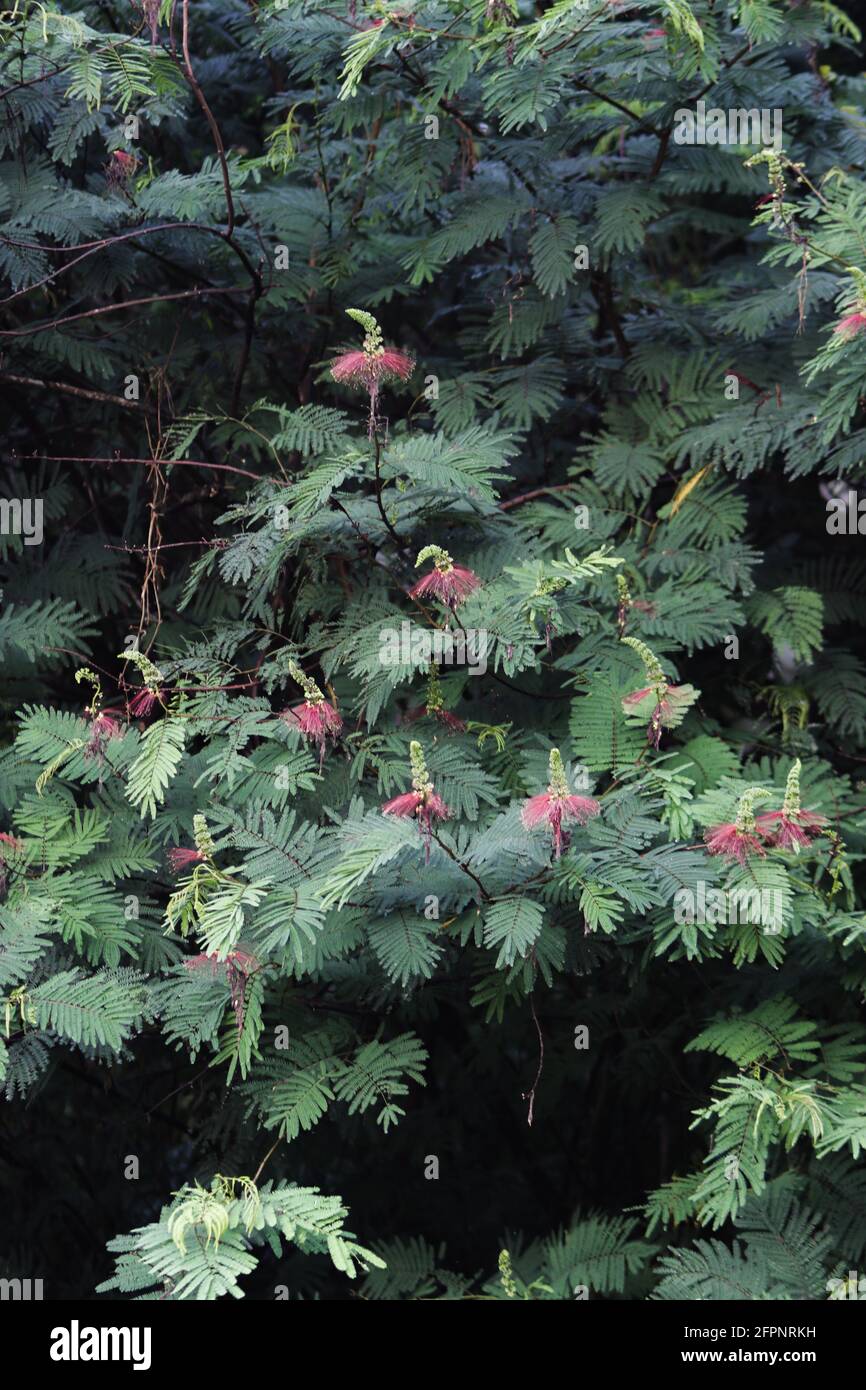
[558, 806]
[851, 325]
[180, 859]
[451, 584]
[103, 727]
[423, 801]
[103, 724]
[143, 702]
[120, 169]
[369, 371]
[373, 365]
[790, 828]
[663, 702]
[667, 700]
[855, 321]
[734, 840]
[315, 718]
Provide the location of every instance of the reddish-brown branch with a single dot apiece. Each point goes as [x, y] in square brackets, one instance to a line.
[169, 463]
[70, 390]
[536, 492]
[209, 117]
[113, 308]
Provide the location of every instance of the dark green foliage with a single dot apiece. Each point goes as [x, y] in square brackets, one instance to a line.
[628, 416]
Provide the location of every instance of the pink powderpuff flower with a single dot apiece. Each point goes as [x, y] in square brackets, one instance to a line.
[108, 723]
[558, 806]
[120, 169]
[633, 701]
[317, 720]
[180, 859]
[667, 700]
[738, 839]
[423, 801]
[427, 807]
[244, 960]
[451, 721]
[141, 704]
[10, 840]
[102, 728]
[363, 369]
[452, 586]
[240, 958]
[791, 828]
[450, 583]
[732, 842]
[794, 832]
[851, 325]
[406, 804]
[373, 365]
[555, 810]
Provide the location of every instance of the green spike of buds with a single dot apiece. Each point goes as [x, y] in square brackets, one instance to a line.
[373, 341]
[655, 674]
[791, 804]
[420, 775]
[558, 781]
[746, 807]
[311, 690]
[441, 559]
[202, 836]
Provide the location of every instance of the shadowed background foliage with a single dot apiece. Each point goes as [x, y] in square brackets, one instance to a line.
[602, 318]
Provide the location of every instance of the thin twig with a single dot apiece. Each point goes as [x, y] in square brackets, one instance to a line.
[530, 1094]
[169, 463]
[102, 396]
[125, 304]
